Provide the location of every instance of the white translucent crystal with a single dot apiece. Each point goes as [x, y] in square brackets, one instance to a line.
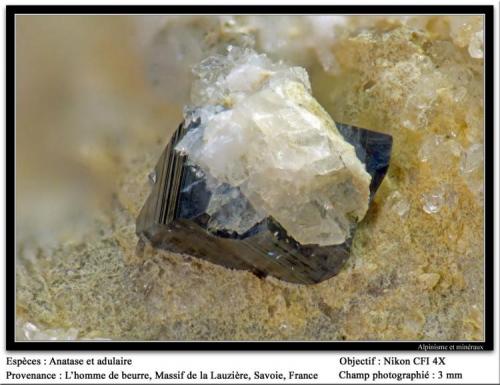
[262, 131]
[440, 152]
[467, 31]
[433, 201]
[324, 29]
[471, 167]
[31, 332]
[472, 159]
[476, 45]
[411, 87]
[399, 204]
[429, 146]
[228, 210]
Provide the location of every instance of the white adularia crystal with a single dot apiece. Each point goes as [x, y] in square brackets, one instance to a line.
[262, 131]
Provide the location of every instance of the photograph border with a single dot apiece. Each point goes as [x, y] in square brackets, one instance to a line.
[433, 346]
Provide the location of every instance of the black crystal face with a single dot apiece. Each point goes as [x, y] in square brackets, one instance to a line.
[175, 217]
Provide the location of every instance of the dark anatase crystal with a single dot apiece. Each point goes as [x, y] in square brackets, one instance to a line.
[175, 217]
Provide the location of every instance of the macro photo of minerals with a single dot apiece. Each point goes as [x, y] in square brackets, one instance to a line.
[249, 178]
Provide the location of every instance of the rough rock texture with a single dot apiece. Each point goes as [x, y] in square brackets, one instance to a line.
[414, 273]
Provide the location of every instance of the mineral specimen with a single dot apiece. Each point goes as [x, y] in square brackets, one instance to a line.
[85, 275]
[259, 177]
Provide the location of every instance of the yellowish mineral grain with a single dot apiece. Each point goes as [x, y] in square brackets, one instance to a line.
[429, 280]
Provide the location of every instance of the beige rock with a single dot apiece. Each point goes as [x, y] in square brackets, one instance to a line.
[429, 280]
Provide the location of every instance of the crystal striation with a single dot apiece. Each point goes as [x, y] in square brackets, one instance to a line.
[263, 132]
[259, 176]
[177, 216]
